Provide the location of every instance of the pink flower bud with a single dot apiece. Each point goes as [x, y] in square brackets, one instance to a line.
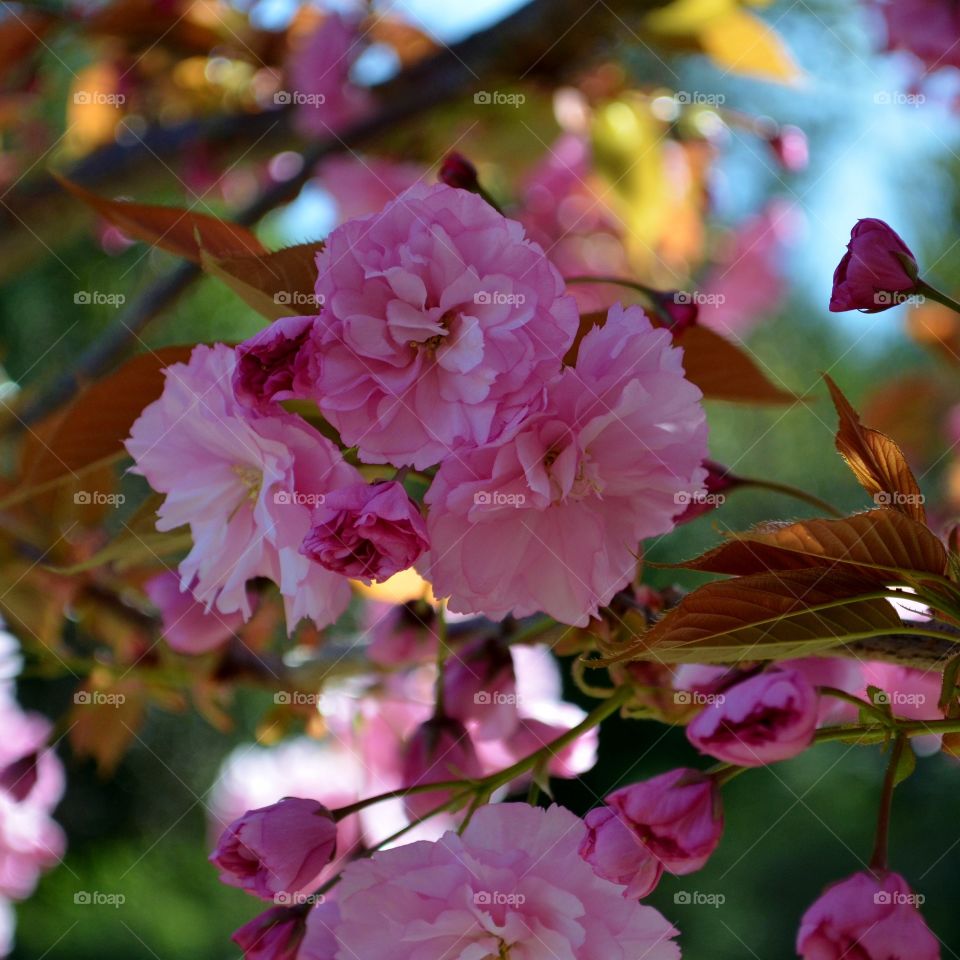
[480, 684]
[617, 854]
[275, 934]
[789, 146]
[768, 717]
[439, 749]
[187, 626]
[273, 365]
[866, 917]
[367, 531]
[277, 850]
[457, 171]
[673, 822]
[877, 266]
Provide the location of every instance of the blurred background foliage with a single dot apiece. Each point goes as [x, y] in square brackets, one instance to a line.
[791, 828]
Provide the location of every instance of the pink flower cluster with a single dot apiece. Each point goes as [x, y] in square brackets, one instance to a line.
[440, 341]
[31, 784]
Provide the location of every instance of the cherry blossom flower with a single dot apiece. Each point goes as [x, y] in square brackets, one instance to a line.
[187, 626]
[441, 325]
[244, 484]
[512, 883]
[614, 457]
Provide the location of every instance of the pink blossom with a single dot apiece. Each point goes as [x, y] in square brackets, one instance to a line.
[877, 266]
[441, 324]
[252, 777]
[319, 938]
[272, 366]
[747, 284]
[617, 854]
[368, 531]
[187, 626]
[768, 717]
[866, 917]
[275, 934]
[674, 823]
[401, 634]
[280, 849]
[789, 146]
[512, 883]
[479, 684]
[440, 749]
[908, 693]
[926, 28]
[244, 485]
[613, 458]
[364, 185]
[319, 73]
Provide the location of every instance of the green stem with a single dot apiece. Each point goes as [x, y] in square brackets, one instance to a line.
[442, 651]
[791, 491]
[879, 859]
[932, 293]
[859, 703]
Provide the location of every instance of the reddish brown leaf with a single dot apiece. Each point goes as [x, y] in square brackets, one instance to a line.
[172, 228]
[871, 545]
[275, 284]
[720, 368]
[877, 462]
[97, 422]
[765, 616]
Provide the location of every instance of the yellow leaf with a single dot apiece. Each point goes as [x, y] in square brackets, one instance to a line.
[742, 43]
